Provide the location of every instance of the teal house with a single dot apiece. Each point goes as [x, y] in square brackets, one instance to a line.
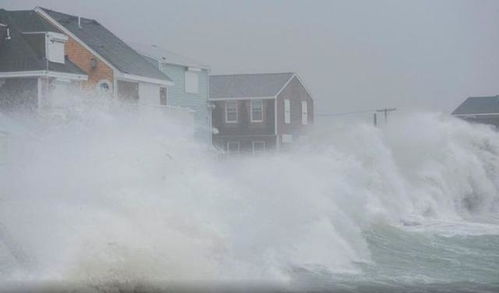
[190, 89]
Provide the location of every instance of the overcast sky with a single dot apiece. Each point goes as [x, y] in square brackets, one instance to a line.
[352, 55]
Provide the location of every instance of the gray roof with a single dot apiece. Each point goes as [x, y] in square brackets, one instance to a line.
[478, 105]
[247, 85]
[168, 57]
[108, 45]
[30, 21]
[18, 54]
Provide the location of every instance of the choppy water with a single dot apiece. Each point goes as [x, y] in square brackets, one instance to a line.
[109, 195]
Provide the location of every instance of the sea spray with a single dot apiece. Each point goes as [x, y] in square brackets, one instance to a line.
[108, 193]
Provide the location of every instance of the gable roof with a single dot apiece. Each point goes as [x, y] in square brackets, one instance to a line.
[478, 105]
[30, 21]
[106, 44]
[19, 55]
[168, 57]
[248, 85]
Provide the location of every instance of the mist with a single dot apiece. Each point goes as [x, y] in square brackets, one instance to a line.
[95, 205]
[340, 170]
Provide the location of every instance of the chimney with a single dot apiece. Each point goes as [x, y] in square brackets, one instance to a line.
[79, 22]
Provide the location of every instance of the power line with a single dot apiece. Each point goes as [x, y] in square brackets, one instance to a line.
[385, 111]
[344, 113]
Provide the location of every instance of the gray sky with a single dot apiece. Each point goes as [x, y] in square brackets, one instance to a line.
[352, 55]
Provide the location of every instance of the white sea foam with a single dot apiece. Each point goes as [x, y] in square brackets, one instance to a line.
[109, 193]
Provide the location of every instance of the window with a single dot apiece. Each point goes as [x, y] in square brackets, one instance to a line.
[233, 147]
[287, 111]
[304, 113]
[55, 47]
[163, 96]
[55, 50]
[191, 81]
[256, 111]
[104, 87]
[258, 147]
[231, 112]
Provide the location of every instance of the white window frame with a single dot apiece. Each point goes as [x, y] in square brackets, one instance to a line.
[251, 111]
[287, 111]
[103, 91]
[233, 142]
[258, 142]
[55, 47]
[227, 112]
[191, 81]
[304, 112]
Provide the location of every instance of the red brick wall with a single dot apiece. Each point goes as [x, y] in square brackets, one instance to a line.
[80, 56]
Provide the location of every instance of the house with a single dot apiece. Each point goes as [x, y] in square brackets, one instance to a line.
[480, 109]
[32, 62]
[257, 112]
[190, 89]
[112, 66]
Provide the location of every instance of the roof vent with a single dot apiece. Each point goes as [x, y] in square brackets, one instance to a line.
[79, 22]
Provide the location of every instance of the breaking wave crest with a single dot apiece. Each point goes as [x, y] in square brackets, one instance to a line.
[110, 193]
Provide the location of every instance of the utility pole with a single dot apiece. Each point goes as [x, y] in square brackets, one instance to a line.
[386, 111]
[375, 119]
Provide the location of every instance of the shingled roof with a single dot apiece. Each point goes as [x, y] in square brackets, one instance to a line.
[478, 105]
[162, 55]
[30, 21]
[107, 45]
[17, 54]
[248, 85]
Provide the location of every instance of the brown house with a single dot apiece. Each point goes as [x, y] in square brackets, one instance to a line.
[257, 112]
[33, 66]
[112, 66]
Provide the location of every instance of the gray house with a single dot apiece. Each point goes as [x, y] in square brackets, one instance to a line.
[257, 112]
[33, 65]
[480, 109]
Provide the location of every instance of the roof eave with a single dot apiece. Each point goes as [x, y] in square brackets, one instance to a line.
[138, 78]
[40, 73]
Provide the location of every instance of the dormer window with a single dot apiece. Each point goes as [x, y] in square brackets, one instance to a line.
[55, 46]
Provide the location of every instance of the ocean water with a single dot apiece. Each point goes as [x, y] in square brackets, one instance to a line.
[105, 196]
